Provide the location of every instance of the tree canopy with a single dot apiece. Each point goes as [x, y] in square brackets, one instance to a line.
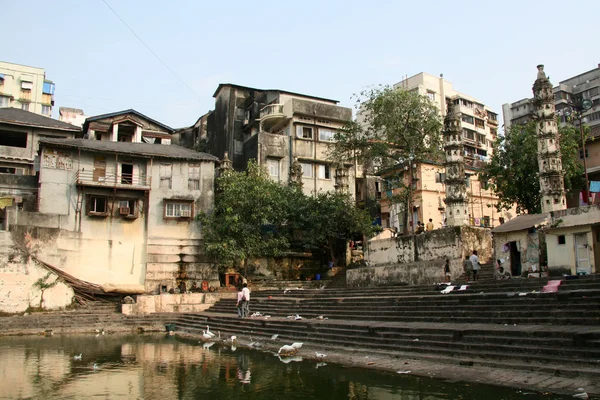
[255, 216]
[513, 171]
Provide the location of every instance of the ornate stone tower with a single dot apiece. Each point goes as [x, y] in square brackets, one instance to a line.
[295, 177]
[457, 210]
[341, 179]
[552, 186]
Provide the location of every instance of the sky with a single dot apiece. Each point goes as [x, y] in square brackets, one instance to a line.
[333, 49]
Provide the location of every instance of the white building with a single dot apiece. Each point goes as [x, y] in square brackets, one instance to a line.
[479, 123]
[26, 88]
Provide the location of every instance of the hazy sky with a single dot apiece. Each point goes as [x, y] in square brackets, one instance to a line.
[487, 49]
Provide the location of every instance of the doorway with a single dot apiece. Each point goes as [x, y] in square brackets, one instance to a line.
[515, 259]
[127, 174]
[582, 254]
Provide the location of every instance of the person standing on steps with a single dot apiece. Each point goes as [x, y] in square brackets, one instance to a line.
[246, 297]
[447, 270]
[476, 266]
[240, 304]
[468, 267]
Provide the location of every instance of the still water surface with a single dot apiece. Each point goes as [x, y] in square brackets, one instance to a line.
[158, 367]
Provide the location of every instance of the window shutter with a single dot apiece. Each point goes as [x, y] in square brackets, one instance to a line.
[299, 131]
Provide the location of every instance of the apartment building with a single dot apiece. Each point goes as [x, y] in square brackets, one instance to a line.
[478, 122]
[73, 116]
[26, 87]
[280, 128]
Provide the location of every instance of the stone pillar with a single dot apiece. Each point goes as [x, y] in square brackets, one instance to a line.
[225, 165]
[296, 174]
[138, 135]
[115, 133]
[552, 185]
[457, 207]
[341, 179]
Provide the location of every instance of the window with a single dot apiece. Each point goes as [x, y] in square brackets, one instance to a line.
[97, 206]
[481, 138]
[13, 139]
[126, 174]
[13, 171]
[307, 170]
[25, 106]
[440, 177]
[4, 101]
[304, 132]
[48, 88]
[26, 85]
[324, 172]
[431, 95]
[273, 168]
[581, 153]
[178, 209]
[468, 134]
[561, 239]
[165, 172]
[46, 110]
[479, 123]
[326, 135]
[492, 116]
[128, 208]
[468, 119]
[194, 177]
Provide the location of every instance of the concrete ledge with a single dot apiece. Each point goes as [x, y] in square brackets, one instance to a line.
[173, 303]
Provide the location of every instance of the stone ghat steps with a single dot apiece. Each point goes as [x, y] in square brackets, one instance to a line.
[513, 285]
[445, 344]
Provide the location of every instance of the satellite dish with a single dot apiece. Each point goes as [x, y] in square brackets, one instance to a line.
[586, 104]
[567, 111]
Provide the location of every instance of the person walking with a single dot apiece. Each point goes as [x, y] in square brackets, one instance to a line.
[240, 304]
[447, 270]
[246, 297]
[476, 265]
[468, 267]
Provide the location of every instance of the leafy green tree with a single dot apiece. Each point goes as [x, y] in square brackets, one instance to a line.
[248, 218]
[393, 126]
[513, 171]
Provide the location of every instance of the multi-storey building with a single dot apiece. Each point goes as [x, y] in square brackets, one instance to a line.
[567, 94]
[281, 130]
[127, 126]
[479, 124]
[73, 116]
[26, 88]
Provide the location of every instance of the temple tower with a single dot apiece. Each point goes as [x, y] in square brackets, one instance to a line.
[457, 210]
[341, 179]
[552, 186]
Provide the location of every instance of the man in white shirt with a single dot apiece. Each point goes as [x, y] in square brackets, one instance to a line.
[476, 266]
[246, 297]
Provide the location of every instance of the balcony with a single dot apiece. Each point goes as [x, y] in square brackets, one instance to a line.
[119, 181]
[272, 117]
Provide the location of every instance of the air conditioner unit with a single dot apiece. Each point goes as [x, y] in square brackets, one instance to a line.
[124, 210]
[186, 213]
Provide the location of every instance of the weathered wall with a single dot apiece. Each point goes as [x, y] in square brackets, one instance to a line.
[418, 259]
[18, 277]
[168, 303]
[531, 246]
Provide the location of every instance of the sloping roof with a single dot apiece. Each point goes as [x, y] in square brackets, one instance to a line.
[17, 116]
[145, 150]
[272, 90]
[522, 222]
[130, 111]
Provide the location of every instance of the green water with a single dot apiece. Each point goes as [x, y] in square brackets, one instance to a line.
[159, 367]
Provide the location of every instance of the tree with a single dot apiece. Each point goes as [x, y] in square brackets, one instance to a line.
[513, 171]
[248, 218]
[393, 126]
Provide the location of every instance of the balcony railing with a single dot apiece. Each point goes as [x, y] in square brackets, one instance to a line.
[271, 110]
[125, 181]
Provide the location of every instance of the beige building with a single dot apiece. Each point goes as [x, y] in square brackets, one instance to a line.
[429, 192]
[277, 128]
[478, 122]
[129, 126]
[73, 116]
[121, 214]
[26, 88]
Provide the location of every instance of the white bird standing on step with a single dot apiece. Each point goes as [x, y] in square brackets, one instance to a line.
[208, 332]
[320, 355]
[290, 349]
[96, 367]
[206, 336]
[77, 357]
[274, 337]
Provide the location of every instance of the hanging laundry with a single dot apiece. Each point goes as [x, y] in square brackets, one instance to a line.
[595, 186]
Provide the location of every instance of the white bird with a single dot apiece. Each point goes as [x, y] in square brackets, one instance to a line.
[297, 345]
[207, 345]
[206, 336]
[275, 336]
[321, 364]
[208, 332]
[297, 317]
[96, 366]
[320, 355]
[77, 357]
[290, 349]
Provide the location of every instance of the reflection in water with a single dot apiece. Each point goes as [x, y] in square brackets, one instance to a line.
[159, 367]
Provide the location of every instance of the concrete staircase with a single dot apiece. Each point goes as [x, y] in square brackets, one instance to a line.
[504, 324]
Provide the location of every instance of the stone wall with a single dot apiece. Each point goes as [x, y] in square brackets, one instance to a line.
[419, 259]
[18, 277]
[169, 303]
